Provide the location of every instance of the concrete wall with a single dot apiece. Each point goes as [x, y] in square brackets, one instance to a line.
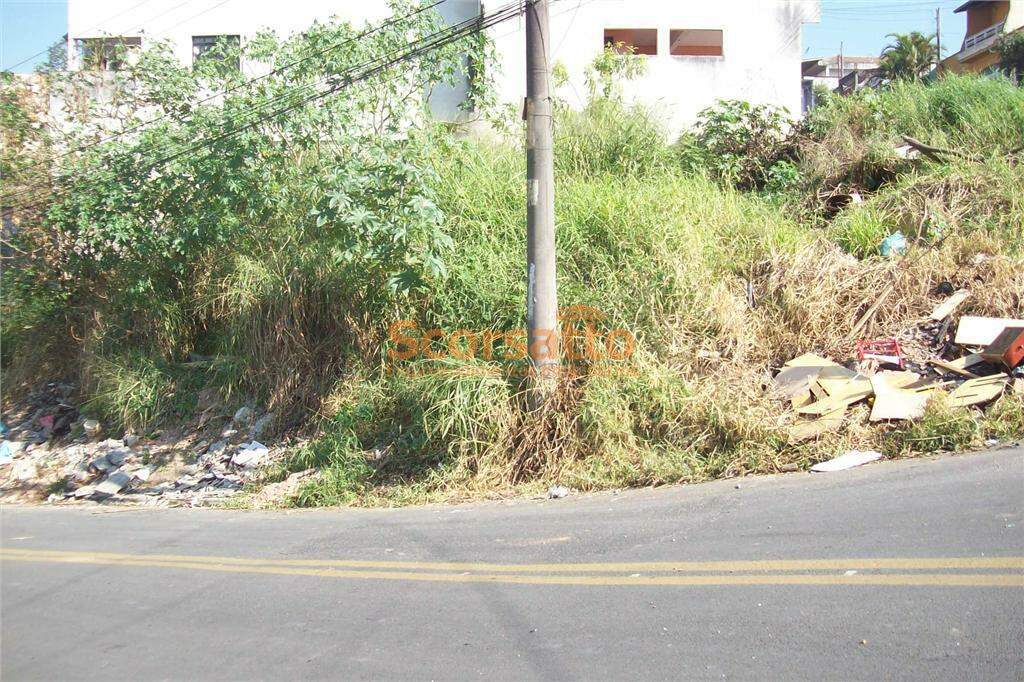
[761, 62]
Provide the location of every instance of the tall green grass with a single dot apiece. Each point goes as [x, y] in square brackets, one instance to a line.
[718, 287]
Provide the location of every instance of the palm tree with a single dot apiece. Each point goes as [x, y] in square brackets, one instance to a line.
[909, 55]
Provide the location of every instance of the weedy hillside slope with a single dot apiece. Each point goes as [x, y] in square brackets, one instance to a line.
[707, 290]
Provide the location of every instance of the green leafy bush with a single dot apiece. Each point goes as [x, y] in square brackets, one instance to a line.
[740, 144]
[1010, 47]
[154, 237]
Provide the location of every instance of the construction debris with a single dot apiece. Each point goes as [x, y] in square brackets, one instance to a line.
[1007, 349]
[171, 472]
[893, 401]
[949, 306]
[557, 492]
[884, 352]
[982, 331]
[854, 458]
[978, 391]
[821, 390]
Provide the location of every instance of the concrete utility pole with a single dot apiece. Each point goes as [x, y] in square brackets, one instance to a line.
[938, 37]
[541, 288]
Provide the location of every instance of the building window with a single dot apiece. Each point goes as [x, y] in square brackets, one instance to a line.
[632, 40]
[106, 54]
[696, 42]
[222, 48]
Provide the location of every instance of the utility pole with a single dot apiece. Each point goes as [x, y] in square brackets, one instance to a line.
[541, 288]
[842, 68]
[938, 38]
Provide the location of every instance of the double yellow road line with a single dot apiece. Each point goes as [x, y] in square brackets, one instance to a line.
[942, 572]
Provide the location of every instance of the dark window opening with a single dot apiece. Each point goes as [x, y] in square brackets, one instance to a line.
[106, 54]
[222, 48]
[632, 40]
[696, 43]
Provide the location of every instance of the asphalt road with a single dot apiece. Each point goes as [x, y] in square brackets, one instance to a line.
[909, 569]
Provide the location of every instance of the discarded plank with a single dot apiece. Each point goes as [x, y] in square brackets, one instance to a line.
[952, 367]
[861, 390]
[830, 368]
[947, 307]
[982, 331]
[817, 392]
[815, 428]
[902, 379]
[805, 398]
[978, 391]
[794, 381]
[896, 403]
[851, 459]
[839, 388]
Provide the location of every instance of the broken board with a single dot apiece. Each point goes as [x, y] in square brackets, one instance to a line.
[859, 390]
[812, 360]
[793, 382]
[957, 366]
[981, 331]
[946, 308]
[815, 428]
[895, 402]
[978, 391]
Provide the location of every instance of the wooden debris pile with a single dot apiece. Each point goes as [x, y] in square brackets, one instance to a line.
[975, 367]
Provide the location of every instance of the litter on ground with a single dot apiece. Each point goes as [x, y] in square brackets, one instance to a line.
[854, 458]
[975, 369]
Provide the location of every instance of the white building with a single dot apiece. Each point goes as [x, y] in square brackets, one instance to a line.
[697, 51]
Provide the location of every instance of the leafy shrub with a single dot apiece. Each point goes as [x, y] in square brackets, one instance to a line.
[739, 144]
[1010, 47]
[154, 238]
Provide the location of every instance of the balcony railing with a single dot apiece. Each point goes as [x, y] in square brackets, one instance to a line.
[973, 41]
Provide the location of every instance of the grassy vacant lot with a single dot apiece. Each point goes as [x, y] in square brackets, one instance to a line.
[677, 259]
[718, 287]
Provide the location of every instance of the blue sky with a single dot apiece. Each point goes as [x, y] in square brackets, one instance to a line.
[29, 26]
[862, 25]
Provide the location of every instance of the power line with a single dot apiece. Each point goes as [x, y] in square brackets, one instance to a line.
[355, 74]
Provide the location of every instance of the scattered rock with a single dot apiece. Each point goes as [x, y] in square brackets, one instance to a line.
[243, 416]
[142, 474]
[114, 483]
[131, 439]
[557, 492]
[117, 456]
[85, 491]
[92, 428]
[260, 426]
[251, 455]
[25, 470]
[101, 464]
